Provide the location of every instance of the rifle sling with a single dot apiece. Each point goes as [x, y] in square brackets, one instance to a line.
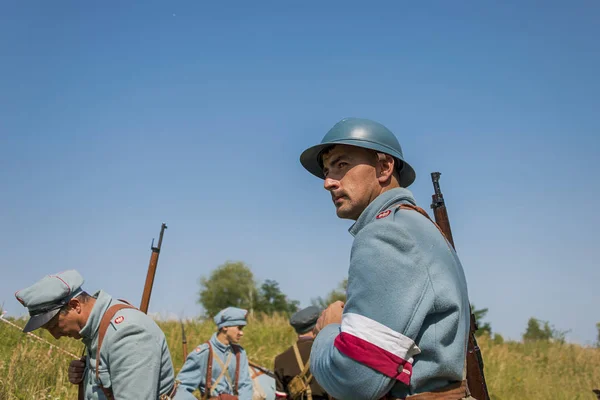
[304, 370]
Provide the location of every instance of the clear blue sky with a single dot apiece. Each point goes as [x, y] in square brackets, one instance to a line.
[116, 117]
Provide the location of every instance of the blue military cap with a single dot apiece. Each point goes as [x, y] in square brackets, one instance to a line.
[46, 297]
[230, 316]
[305, 320]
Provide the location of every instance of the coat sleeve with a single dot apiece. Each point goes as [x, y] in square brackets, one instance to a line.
[280, 387]
[193, 373]
[134, 361]
[245, 382]
[373, 348]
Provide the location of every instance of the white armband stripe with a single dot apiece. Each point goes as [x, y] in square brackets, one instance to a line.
[379, 335]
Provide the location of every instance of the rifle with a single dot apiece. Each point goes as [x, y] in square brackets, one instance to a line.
[263, 369]
[475, 376]
[184, 342]
[151, 271]
[145, 294]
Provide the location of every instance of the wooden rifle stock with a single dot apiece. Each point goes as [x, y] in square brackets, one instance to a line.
[151, 271]
[475, 376]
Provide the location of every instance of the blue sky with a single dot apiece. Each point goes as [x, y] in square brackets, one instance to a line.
[116, 117]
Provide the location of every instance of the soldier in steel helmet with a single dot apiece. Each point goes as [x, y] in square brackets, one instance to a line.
[127, 354]
[402, 332]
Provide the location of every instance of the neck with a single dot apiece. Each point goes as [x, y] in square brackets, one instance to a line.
[389, 185]
[86, 310]
[307, 335]
[221, 337]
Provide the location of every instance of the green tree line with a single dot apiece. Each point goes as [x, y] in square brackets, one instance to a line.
[233, 284]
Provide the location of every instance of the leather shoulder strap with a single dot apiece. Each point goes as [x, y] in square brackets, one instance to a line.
[405, 206]
[104, 323]
[303, 367]
[208, 384]
[237, 352]
[298, 357]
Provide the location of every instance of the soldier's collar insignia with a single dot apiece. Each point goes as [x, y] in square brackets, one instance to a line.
[383, 214]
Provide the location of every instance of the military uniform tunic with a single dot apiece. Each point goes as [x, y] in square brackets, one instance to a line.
[406, 319]
[135, 359]
[193, 372]
[286, 368]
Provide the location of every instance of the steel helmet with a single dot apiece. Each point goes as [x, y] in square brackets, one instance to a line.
[361, 133]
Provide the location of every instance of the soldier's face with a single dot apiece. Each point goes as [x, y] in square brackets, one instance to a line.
[351, 178]
[234, 333]
[64, 324]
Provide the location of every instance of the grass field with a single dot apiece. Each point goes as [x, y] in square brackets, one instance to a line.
[33, 370]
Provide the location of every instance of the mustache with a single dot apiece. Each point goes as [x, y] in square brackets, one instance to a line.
[337, 195]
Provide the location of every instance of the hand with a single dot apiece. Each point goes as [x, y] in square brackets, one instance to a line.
[77, 371]
[331, 315]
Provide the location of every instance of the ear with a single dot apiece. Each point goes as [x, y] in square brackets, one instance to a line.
[385, 167]
[75, 304]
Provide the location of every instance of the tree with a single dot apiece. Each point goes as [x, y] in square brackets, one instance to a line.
[498, 339]
[271, 300]
[598, 338]
[333, 296]
[536, 332]
[229, 285]
[483, 328]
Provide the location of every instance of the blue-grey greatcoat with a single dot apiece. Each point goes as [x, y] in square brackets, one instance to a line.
[406, 319]
[135, 359]
[193, 372]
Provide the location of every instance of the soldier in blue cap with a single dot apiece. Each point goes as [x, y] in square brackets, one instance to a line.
[219, 367]
[292, 367]
[403, 330]
[127, 354]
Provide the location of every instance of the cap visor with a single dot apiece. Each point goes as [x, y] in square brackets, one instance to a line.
[37, 321]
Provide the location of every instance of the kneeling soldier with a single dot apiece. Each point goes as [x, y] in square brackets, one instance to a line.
[127, 354]
[292, 369]
[219, 367]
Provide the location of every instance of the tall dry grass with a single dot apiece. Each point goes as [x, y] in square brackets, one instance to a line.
[31, 370]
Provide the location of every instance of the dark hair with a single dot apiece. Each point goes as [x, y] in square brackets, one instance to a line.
[398, 164]
[83, 297]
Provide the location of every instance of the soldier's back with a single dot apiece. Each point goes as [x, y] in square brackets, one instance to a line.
[286, 368]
